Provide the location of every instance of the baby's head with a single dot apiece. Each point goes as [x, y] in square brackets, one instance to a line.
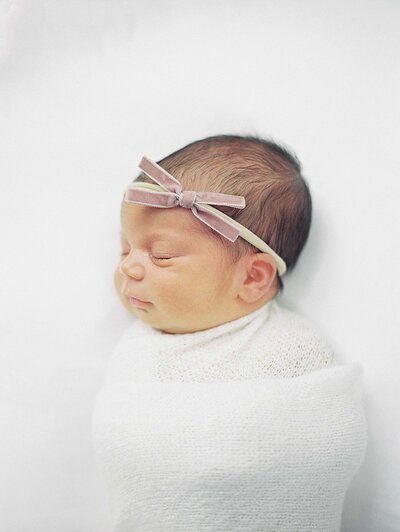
[192, 277]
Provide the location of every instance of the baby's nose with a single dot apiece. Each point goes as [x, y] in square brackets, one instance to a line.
[187, 198]
[132, 267]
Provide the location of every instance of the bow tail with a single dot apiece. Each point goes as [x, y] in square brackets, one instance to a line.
[151, 198]
[223, 227]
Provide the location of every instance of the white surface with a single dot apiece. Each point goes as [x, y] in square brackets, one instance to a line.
[85, 90]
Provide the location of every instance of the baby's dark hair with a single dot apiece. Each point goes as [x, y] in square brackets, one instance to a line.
[278, 200]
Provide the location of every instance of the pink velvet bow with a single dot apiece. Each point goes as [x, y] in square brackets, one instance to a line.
[189, 199]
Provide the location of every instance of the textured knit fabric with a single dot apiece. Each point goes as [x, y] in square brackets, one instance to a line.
[247, 426]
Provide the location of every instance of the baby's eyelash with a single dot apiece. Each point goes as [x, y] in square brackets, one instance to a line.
[152, 256]
[160, 258]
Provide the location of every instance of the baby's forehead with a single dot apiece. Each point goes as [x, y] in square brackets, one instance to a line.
[135, 217]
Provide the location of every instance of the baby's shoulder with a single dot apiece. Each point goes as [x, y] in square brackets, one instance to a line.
[300, 336]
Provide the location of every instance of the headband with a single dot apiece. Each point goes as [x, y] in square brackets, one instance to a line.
[168, 193]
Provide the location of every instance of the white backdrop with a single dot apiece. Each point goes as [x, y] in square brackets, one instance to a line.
[86, 89]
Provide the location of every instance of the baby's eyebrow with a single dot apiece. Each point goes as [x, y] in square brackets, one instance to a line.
[158, 234]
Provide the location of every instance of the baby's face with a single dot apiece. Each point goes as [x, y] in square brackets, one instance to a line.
[181, 273]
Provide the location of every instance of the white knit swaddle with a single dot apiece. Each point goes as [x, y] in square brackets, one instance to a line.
[243, 427]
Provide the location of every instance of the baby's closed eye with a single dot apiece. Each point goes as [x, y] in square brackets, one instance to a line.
[160, 258]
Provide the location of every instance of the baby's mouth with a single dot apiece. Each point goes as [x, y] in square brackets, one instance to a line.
[138, 302]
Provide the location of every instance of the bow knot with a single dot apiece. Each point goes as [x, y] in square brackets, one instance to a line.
[187, 198]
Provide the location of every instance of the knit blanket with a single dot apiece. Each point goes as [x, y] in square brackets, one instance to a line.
[252, 454]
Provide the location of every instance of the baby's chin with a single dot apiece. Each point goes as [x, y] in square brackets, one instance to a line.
[153, 317]
[150, 318]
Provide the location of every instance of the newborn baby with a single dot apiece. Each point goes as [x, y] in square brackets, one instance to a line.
[221, 410]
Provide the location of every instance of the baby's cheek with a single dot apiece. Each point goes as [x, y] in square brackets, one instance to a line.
[189, 296]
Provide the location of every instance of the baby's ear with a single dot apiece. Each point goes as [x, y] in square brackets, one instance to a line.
[259, 277]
